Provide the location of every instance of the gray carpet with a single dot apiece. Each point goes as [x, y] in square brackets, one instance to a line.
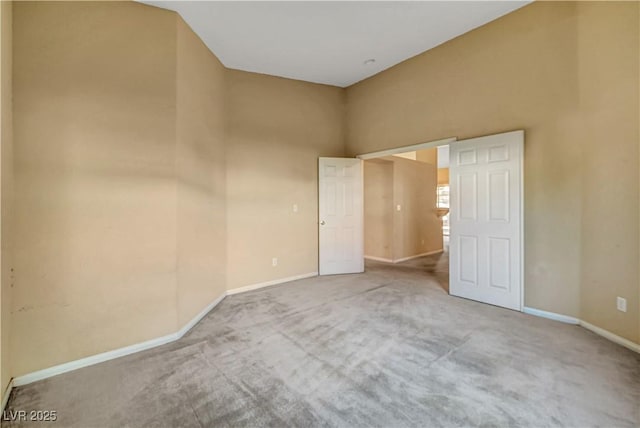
[388, 348]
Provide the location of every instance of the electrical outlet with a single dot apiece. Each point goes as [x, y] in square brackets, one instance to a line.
[621, 304]
[423, 242]
[274, 262]
[295, 208]
[398, 207]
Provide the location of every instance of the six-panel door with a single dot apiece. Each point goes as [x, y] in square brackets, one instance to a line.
[485, 235]
[341, 218]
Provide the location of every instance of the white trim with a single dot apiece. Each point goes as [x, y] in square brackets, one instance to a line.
[551, 315]
[612, 337]
[404, 259]
[378, 259]
[195, 320]
[93, 359]
[270, 283]
[597, 330]
[116, 353]
[127, 350]
[411, 148]
[522, 243]
[5, 397]
[417, 256]
[138, 347]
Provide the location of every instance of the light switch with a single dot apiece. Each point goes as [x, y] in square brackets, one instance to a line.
[621, 304]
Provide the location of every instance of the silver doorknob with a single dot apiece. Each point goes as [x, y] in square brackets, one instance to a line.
[322, 223]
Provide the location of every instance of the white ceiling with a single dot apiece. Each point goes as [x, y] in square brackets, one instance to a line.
[328, 41]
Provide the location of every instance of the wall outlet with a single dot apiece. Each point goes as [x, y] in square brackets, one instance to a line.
[621, 304]
[423, 242]
[295, 208]
[398, 207]
[274, 262]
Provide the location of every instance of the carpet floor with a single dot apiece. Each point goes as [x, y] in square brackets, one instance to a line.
[387, 348]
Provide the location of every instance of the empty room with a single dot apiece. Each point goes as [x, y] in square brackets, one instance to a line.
[323, 213]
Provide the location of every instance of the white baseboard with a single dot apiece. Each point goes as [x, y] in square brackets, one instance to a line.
[138, 347]
[612, 337]
[270, 283]
[5, 397]
[597, 330]
[417, 256]
[93, 359]
[116, 353]
[551, 315]
[127, 350]
[195, 320]
[404, 259]
[378, 259]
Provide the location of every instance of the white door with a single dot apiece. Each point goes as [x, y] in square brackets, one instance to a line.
[486, 219]
[341, 216]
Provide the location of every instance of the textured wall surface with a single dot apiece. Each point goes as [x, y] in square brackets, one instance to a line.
[390, 234]
[6, 190]
[200, 176]
[566, 73]
[276, 130]
[378, 208]
[147, 178]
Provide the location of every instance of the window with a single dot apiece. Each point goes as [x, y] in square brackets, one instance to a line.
[443, 202]
[443, 196]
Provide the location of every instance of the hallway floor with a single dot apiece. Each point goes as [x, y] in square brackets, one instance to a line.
[387, 348]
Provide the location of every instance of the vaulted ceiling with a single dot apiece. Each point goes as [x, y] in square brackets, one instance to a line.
[329, 42]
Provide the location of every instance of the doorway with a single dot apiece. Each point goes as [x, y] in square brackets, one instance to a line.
[404, 209]
[485, 214]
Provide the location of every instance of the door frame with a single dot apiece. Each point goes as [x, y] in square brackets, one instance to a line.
[421, 146]
[452, 140]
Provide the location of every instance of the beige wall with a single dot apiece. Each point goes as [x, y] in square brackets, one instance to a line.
[119, 171]
[609, 83]
[566, 73]
[119, 175]
[94, 131]
[200, 174]
[276, 130]
[443, 175]
[6, 190]
[415, 229]
[407, 155]
[378, 208]
[428, 156]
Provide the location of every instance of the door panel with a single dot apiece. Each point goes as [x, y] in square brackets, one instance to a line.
[486, 230]
[341, 216]
[498, 195]
[467, 196]
[468, 266]
[499, 263]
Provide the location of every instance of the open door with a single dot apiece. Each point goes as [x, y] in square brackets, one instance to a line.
[341, 216]
[486, 219]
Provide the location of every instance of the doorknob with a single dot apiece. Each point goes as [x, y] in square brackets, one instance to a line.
[322, 222]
